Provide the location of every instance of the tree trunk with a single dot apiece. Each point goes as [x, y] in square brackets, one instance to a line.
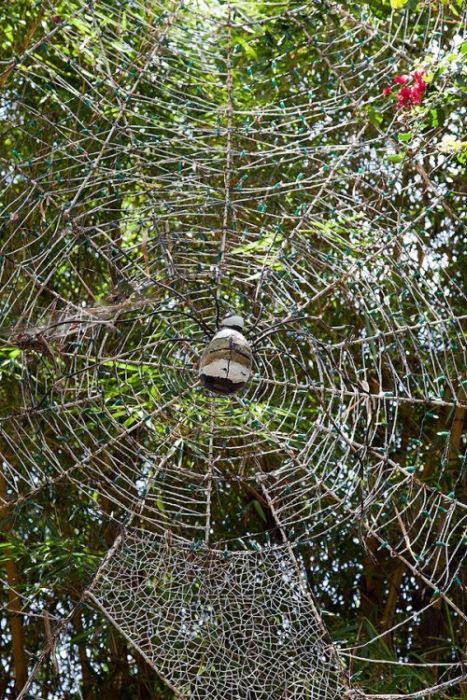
[86, 670]
[14, 603]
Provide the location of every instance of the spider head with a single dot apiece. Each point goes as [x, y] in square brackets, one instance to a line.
[233, 321]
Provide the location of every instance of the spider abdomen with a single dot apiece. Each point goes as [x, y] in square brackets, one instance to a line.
[225, 365]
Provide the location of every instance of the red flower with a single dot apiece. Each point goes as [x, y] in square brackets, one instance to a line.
[409, 95]
[421, 85]
[404, 97]
[57, 19]
[417, 94]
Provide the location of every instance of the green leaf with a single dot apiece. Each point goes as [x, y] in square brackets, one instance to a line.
[374, 116]
[248, 49]
[258, 246]
[259, 509]
[396, 157]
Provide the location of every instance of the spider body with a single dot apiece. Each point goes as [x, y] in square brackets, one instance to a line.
[225, 365]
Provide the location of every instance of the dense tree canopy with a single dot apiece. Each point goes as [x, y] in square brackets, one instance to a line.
[303, 164]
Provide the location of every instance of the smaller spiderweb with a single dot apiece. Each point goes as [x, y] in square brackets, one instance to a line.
[216, 625]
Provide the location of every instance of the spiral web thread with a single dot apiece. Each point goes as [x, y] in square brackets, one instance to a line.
[171, 174]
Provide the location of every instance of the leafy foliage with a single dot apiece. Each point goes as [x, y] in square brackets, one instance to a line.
[345, 251]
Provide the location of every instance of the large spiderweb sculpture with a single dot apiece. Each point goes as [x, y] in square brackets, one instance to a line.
[182, 163]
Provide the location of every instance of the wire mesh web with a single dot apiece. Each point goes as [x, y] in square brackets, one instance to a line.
[187, 164]
[219, 626]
